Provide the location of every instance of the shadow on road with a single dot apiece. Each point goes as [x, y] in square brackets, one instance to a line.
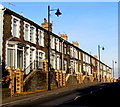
[104, 95]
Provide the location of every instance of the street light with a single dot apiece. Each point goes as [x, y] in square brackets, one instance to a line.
[113, 62]
[49, 65]
[99, 58]
[99, 51]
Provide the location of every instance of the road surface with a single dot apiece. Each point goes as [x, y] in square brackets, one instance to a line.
[103, 95]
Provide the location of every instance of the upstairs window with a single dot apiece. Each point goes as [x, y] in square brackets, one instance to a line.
[79, 55]
[15, 27]
[60, 43]
[75, 54]
[41, 38]
[57, 44]
[52, 42]
[26, 31]
[71, 51]
[65, 49]
[31, 34]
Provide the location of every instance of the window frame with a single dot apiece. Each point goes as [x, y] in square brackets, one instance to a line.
[25, 23]
[18, 27]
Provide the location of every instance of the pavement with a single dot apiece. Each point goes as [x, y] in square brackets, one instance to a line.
[45, 96]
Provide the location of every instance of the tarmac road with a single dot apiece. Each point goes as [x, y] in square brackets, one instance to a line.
[104, 95]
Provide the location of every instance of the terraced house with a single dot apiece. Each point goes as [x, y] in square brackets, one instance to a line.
[24, 45]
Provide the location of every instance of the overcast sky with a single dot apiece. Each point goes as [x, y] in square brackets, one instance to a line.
[89, 23]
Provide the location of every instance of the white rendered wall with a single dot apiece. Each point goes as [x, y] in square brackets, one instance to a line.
[1, 32]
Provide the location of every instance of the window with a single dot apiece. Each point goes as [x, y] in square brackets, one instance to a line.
[79, 67]
[11, 57]
[19, 58]
[58, 62]
[52, 42]
[32, 57]
[41, 56]
[41, 38]
[71, 51]
[65, 49]
[84, 57]
[75, 53]
[79, 55]
[57, 44]
[84, 67]
[15, 56]
[26, 31]
[52, 61]
[65, 64]
[15, 26]
[60, 46]
[32, 34]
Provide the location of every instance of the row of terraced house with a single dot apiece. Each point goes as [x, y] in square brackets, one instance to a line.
[24, 45]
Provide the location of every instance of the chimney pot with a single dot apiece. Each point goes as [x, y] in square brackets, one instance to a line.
[75, 43]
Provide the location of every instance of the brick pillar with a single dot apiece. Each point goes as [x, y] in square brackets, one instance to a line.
[45, 66]
[60, 79]
[81, 78]
[64, 79]
[12, 76]
[19, 81]
[57, 77]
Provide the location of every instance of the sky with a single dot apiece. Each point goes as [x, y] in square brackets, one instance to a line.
[89, 23]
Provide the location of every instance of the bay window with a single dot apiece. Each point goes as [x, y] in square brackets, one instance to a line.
[15, 55]
[41, 57]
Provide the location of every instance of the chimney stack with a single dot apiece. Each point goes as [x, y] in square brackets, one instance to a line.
[75, 43]
[96, 57]
[45, 25]
[64, 36]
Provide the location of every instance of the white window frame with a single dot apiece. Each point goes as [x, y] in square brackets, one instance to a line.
[18, 26]
[79, 55]
[71, 51]
[28, 31]
[15, 48]
[54, 63]
[58, 62]
[41, 37]
[39, 51]
[34, 35]
[52, 42]
[65, 64]
[57, 44]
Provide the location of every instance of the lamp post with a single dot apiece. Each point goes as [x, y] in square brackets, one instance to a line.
[49, 65]
[99, 58]
[99, 51]
[113, 62]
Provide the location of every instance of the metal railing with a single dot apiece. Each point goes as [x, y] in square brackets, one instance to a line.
[33, 65]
